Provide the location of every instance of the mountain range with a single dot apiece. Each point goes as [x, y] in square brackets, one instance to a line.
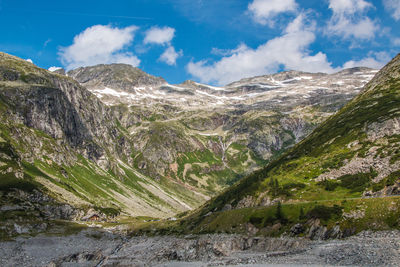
[341, 179]
[114, 140]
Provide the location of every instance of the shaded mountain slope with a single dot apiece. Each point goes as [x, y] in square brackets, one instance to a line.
[59, 139]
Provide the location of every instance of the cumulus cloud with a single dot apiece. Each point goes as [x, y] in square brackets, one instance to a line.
[375, 60]
[290, 51]
[163, 36]
[54, 68]
[349, 20]
[157, 35]
[393, 6]
[29, 60]
[170, 55]
[348, 6]
[100, 44]
[263, 11]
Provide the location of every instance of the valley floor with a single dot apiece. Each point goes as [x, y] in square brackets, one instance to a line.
[92, 247]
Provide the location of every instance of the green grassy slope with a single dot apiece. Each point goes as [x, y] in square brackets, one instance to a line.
[352, 154]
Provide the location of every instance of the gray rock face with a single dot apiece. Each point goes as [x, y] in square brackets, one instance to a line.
[121, 76]
[63, 109]
[32, 213]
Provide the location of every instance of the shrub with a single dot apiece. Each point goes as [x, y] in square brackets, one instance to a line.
[356, 182]
[256, 220]
[324, 212]
[328, 185]
[108, 211]
[279, 214]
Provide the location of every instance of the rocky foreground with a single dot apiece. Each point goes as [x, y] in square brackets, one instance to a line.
[96, 248]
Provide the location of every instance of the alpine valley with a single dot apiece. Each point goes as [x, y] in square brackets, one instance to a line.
[291, 154]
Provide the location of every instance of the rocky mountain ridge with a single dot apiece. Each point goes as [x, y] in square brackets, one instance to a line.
[114, 85]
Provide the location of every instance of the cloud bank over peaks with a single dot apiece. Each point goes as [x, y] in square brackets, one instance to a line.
[100, 44]
[264, 11]
[374, 60]
[290, 51]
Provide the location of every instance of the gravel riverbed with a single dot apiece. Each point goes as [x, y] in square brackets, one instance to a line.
[96, 248]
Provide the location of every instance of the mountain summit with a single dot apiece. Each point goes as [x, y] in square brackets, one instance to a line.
[121, 76]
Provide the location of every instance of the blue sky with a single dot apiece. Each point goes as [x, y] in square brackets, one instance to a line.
[210, 41]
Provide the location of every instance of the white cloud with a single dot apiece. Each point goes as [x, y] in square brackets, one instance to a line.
[228, 52]
[348, 6]
[29, 60]
[289, 51]
[264, 11]
[54, 68]
[349, 21]
[396, 41]
[393, 6]
[157, 35]
[375, 60]
[100, 44]
[170, 56]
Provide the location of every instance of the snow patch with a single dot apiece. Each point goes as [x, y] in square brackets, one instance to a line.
[208, 134]
[52, 69]
[109, 91]
[220, 97]
[212, 87]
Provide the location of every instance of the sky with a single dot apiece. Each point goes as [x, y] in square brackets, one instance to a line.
[209, 41]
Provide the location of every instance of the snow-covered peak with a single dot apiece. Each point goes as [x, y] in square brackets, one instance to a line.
[285, 88]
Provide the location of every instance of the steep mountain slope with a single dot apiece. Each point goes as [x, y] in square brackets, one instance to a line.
[58, 139]
[208, 137]
[323, 179]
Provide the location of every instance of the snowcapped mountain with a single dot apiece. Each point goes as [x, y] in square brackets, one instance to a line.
[269, 91]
